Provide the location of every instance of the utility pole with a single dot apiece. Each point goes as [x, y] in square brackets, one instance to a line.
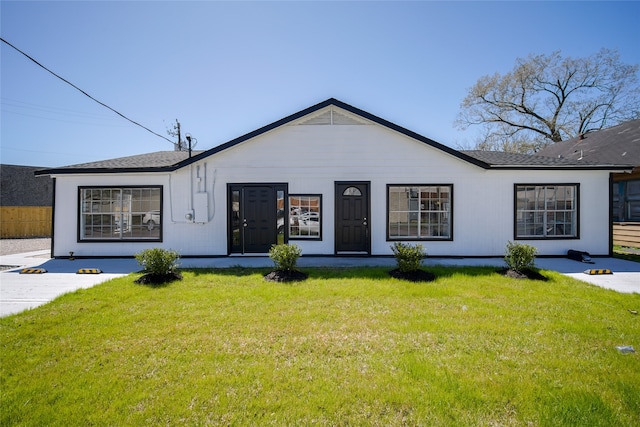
[181, 145]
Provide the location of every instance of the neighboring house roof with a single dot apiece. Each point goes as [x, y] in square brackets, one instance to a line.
[19, 187]
[618, 145]
[169, 160]
[499, 159]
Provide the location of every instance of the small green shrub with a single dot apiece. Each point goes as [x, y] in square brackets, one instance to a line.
[520, 256]
[158, 261]
[285, 257]
[408, 257]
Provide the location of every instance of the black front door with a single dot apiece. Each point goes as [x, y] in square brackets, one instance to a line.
[352, 217]
[253, 225]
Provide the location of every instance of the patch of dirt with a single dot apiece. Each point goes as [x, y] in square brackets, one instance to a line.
[286, 276]
[158, 279]
[524, 274]
[413, 276]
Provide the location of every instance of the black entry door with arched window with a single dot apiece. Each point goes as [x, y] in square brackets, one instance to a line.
[352, 218]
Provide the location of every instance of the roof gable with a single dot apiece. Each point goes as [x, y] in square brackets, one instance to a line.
[322, 114]
[331, 116]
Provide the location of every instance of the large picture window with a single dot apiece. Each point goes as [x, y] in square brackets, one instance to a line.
[546, 211]
[120, 213]
[419, 212]
[305, 216]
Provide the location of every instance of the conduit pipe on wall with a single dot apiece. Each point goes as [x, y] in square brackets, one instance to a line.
[173, 221]
[209, 216]
[213, 195]
[190, 215]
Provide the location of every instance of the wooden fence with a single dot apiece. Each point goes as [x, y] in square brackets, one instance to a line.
[25, 221]
[626, 234]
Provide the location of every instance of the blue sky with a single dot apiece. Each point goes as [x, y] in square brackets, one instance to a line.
[224, 69]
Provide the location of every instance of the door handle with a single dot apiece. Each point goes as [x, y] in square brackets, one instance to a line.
[364, 221]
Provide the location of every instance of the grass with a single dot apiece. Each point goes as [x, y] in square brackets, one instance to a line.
[628, 253]
[345, 347]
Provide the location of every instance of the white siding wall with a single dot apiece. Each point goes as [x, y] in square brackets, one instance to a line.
[310, 159]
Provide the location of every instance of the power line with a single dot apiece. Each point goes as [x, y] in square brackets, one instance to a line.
[62, 115]
[53, 110]
[59, 120]
[85, 93]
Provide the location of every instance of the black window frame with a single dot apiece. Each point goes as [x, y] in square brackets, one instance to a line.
[450, 212]
[81, 239]
[576, 204]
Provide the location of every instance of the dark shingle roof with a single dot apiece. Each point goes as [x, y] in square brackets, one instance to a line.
[501, 159]
[618, 145]
[150, 161]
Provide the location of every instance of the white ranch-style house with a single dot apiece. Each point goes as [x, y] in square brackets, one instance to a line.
[334, 180]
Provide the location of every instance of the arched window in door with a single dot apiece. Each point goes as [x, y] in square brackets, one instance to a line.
[352, 191]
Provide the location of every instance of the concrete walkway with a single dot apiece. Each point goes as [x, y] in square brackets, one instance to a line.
[19, 292]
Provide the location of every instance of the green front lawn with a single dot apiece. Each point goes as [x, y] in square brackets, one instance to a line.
[345, 347]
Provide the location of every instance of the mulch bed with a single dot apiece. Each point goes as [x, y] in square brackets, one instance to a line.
[286, 276]
[524, 274]
[413, 276]
[158, 279]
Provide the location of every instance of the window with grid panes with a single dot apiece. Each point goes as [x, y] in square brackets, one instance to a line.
[546, 211]
[120, 213]
[419, 212]
[305, 216]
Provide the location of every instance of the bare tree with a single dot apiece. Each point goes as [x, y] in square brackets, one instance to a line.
[548, 98]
